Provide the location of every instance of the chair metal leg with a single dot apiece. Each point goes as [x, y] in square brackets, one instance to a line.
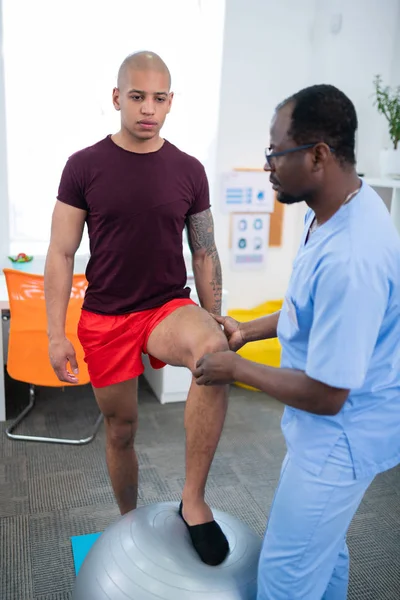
[36, 438]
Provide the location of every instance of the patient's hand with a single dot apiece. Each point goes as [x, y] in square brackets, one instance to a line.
[61, 353]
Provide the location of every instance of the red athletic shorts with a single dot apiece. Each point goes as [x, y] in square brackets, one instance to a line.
[113, 345]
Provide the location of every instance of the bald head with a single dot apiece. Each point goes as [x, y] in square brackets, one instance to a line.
[142, 61]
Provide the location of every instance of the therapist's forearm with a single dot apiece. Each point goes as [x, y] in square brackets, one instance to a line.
[263, 328]
[291, 387]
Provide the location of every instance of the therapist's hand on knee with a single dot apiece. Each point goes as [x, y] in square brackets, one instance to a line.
[216, 369]
[232, 331]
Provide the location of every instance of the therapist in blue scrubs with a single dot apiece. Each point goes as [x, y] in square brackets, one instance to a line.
[339, 328]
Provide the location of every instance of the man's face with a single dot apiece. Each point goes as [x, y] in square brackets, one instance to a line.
[144, 100]
[292, 174]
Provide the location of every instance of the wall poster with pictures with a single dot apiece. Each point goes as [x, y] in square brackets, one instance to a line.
[249, 240]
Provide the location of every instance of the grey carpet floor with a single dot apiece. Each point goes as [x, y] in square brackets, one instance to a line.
[49, 493]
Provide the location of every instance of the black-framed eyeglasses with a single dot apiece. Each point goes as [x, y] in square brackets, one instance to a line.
[269, 156]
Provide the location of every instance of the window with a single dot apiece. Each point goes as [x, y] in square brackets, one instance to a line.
[61, 60]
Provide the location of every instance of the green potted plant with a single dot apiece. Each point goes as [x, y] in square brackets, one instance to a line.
[387, 101]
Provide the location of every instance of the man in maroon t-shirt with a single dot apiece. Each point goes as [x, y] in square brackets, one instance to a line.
[137, 192]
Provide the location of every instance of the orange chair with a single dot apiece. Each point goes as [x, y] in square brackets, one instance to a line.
[28, 358]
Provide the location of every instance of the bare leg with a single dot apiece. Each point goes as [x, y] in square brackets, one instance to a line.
[204, 419]
[182, 339]
[118, 403]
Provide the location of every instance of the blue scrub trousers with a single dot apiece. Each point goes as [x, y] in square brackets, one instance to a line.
[304, 554]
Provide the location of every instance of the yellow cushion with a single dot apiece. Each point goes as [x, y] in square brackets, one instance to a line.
[265, 352]
[269, 307]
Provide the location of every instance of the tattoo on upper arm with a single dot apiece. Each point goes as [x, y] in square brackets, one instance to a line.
[200, 228]
[201, 232]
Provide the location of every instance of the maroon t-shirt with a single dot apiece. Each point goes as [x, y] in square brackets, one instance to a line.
[137, 205]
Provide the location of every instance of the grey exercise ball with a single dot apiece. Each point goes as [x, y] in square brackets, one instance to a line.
[147, 555]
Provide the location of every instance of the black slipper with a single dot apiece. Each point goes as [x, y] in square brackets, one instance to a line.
[208, 540]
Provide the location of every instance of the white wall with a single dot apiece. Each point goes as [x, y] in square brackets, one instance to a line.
[4, 229]
[266, 58]
[272, 49]
[350, 59]
[395, 72]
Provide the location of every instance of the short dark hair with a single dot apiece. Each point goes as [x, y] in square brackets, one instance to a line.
[324, 113]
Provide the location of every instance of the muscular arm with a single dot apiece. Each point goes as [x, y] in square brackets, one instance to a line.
[205, 259]
[291, 387]
[263, 328]
[66, 234]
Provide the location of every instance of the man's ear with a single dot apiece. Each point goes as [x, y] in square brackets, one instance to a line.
[321, 155]
[170, 98]
[115, 99]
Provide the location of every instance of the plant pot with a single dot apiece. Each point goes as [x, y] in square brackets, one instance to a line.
[390, 163]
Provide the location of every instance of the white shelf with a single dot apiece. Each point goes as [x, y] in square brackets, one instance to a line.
[389, 191]
[384, 183]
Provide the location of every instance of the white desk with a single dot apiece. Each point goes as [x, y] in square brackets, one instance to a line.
[3, 294]
[3, 306]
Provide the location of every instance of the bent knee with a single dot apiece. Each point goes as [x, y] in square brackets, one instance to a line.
[120, 433]
[216, 342]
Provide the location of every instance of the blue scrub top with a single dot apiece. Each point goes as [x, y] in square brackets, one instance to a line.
[340, 324]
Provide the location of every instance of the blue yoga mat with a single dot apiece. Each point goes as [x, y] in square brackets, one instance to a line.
[81, 545]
